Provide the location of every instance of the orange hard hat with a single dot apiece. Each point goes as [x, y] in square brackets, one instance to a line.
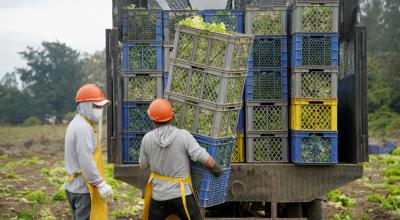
[90, 92]
[160, 110]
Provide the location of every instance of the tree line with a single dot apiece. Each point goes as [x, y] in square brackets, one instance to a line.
[45, 88]
[383, 36]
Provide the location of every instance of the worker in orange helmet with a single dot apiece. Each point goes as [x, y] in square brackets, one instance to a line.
[86, 190]
[167, 151]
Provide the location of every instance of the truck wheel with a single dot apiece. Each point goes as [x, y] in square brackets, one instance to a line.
[314, 210]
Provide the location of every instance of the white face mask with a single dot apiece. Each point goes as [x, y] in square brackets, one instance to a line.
[97, 114]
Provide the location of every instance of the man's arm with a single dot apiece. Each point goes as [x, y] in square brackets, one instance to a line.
[84, 148]
[143, 161]
[197, 153]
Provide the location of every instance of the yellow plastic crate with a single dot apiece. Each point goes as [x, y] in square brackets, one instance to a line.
[313, 114]
[238, 149]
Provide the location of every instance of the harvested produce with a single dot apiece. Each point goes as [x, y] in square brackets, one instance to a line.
[317, 18]
[267, 23]
[316, 149]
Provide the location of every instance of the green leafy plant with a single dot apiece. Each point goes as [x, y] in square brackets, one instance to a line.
[45, 214]
[60, 195]
[337, 196]
[344, 215]
[3, 157]
[198, 23]
[37, 196]
[396, 151]
[376, 198]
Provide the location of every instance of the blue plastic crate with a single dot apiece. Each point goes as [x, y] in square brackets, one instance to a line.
[165, 81]
[233, 20]
[219, 149]
[135, 118]
[142, 57]
[241, 122]
[131, 147]
[209, 189]
[266, 84]
[315, 50]
[269, 52]
[314, 147]
[387, 148]
[142, 25]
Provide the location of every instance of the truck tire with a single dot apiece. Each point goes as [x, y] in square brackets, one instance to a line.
[314, 210]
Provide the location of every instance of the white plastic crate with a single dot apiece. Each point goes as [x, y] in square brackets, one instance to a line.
[314, 83]
[267, 147]
[144, 86]
[268, 19]
[267, 116]
[315, 16]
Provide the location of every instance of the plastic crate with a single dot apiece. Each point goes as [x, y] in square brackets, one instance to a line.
[170, 19]
[315, 50]
[142, 25]
[214, 121]
[206, 85]
[212, 50]
[142, 86]
[314, 83]
[267, 147]
[219, 149]
[266, 84]
[135, 118]
[167, 57]
[165, 81]
[238, 149]
[242, 4]
[387, 148]
[233, 20]
[269, 52]
[267, 116]
[131, 147]
[314, 147]
[241, 122]
[210, 190]
[267, 19]
[142, 57]
[321, 16]
[313, 114]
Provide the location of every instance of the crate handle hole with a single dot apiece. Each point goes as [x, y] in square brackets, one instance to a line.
[267, 135]
[266, 103]
[197, 68]
[316, 102]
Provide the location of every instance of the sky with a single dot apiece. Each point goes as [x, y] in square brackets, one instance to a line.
[80, 24]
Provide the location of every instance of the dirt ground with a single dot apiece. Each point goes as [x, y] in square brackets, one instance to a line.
[31, 160]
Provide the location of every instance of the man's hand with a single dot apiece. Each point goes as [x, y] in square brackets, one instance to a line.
[216, 170]
[105, 191]
[213, 167]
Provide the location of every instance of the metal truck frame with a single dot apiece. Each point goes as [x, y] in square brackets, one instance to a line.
[272, 183]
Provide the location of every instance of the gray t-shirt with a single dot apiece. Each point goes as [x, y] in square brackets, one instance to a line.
[167, 151]
[80, 144]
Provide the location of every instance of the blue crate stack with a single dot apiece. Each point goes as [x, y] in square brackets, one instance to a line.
[141, 70]
[266, 90]
[314, 43]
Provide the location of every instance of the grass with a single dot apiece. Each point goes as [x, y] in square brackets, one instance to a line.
[38, 134]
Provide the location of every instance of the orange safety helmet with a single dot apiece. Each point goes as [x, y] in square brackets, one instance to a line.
[160, 110]
[90, 92]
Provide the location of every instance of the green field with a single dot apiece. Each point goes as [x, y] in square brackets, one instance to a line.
[32, 175]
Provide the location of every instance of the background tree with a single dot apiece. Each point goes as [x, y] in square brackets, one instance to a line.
[94, 68]
[52, 77]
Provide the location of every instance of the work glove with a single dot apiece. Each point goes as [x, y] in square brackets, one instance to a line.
[216, 170]
[105, 191]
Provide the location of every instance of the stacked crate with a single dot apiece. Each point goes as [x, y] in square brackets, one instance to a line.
[314, 78]
[141, 73]
[206, 81]
[234, 22]
[266, 91]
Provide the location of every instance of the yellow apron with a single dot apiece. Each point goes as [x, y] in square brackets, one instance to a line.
[149, 189]
[98, 207]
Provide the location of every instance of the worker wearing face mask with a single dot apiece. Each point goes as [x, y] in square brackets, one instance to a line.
[86, 189]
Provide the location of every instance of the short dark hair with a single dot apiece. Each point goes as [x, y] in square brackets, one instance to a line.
[159, 124]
